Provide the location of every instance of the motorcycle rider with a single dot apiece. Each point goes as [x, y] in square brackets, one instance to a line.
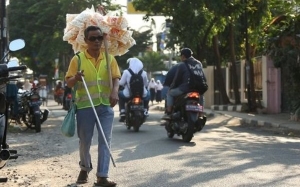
[181, 76]
[59, 91]
[124, 95]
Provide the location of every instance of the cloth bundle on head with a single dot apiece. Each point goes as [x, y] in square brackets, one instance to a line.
[135, 65]
[119, 38]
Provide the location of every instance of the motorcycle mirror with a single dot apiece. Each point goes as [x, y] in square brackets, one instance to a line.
[16, 45]
[13, 63]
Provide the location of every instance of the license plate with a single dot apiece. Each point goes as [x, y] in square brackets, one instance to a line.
[137, 107]
[35, 103]
[194, 108]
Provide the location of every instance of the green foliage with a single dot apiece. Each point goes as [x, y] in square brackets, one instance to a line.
[283, 46]
[195, 22]
[41, 24]
[153, 61]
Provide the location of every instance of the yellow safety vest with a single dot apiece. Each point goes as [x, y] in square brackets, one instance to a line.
[97, 82]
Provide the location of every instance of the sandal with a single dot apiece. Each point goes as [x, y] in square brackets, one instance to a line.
[82, 177]
[104, 182]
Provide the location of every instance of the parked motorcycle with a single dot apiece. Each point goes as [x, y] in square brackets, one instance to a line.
[186, 117]
[30, 112]
[134, 116]
[6, 153]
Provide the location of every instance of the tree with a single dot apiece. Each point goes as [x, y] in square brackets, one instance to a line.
[41, 24]
[187, 33]
[153, 61]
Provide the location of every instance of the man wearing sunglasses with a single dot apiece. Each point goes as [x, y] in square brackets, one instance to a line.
[93, 67]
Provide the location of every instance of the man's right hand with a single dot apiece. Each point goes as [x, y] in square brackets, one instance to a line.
[78, 76]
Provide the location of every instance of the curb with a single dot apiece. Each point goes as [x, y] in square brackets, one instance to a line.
[259, 123]
[233, 108]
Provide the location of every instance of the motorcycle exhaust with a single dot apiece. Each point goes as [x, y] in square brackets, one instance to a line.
[6, 155]
[45, 115]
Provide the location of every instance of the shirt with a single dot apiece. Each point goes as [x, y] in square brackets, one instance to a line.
[73, 67]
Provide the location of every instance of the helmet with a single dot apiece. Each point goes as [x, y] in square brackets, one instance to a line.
[186, 52]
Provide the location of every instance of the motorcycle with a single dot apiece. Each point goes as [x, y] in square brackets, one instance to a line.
[186, 117]
[6, 153]
[67, 98]
[134, 115]
[58, 97]
[31, 114]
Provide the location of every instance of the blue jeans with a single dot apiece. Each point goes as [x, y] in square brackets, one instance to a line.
[171, 94]
[123, 100]
[86, 121]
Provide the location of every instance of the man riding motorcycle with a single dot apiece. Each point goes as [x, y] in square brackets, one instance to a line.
[180, 76]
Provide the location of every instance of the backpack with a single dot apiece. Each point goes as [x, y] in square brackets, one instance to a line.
[197, 79]
[136, 83]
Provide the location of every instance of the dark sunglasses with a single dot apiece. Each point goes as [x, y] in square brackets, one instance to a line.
[94, 38]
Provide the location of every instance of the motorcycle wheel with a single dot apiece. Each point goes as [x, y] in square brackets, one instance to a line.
[187, 137]
[26, 120]
[170, 133]
[136, 128]
[37, 122]
[128, 127]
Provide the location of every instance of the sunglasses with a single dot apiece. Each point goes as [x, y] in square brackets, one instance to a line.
[94, 38]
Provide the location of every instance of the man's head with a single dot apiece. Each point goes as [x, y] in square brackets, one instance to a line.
[185, 53]
[93, 37]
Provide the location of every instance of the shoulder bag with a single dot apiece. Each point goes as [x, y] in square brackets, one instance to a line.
[69, 122]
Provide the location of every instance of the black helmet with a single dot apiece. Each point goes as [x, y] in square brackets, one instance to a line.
[186, 52]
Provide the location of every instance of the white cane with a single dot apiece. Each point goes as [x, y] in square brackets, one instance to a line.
[99, 124]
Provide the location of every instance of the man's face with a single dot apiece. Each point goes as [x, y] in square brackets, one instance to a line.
[94, 40]
[182, 57]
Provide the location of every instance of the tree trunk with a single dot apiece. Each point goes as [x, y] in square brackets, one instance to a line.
[220, 79]
[252, 86]
[233, 67]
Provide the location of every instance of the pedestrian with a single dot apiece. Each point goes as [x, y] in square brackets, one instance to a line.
[158, 90]
[27, 85]
[151, 88]
[94, 69]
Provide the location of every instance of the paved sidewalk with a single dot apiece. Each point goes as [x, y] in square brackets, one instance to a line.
[280, 122]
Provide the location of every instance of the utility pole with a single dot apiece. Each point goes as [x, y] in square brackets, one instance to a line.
[3, 28]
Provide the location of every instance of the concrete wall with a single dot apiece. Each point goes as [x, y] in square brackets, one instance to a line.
[271, 83]
[209, 94]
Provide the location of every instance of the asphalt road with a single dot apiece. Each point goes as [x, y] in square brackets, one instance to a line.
[219, 155]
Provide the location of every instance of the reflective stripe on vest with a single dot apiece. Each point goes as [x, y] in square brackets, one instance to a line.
[97, 82]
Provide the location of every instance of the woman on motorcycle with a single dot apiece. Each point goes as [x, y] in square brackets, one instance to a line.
[135, 65]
